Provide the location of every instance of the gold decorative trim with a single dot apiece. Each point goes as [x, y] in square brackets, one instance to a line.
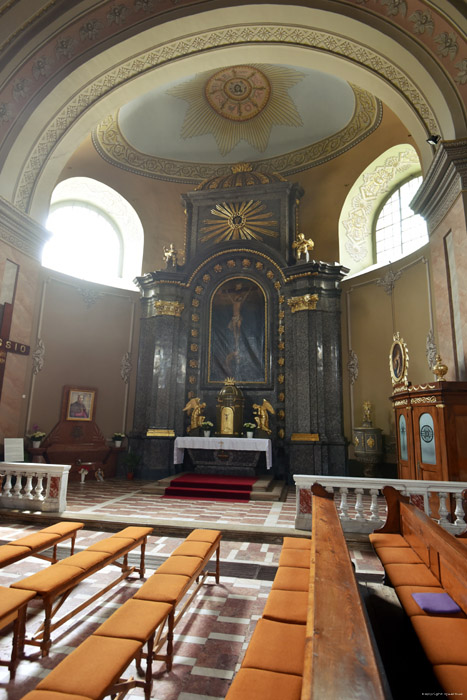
[160, 432]
[423, 400]
[305, 303]
[401, 402]
[168, 308]
[304, 437]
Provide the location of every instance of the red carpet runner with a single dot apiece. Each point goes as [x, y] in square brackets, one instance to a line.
[210, 487]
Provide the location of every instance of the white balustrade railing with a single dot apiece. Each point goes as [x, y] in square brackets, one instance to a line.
[362, 507]
[34, 486]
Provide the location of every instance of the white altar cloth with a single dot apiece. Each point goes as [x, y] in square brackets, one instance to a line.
[226, 443]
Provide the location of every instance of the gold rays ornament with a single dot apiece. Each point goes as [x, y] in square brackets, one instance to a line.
[239, 221]
[239, 103]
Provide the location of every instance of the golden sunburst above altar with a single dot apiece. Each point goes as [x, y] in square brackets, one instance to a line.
[239, 103]
[239, 221]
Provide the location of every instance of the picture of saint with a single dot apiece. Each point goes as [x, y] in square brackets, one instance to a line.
[80, 405]
[237, 332]
[397, 361]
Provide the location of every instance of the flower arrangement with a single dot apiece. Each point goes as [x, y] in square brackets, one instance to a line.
[207, 425]
[36, 433]
[118, 436]
[249, 426]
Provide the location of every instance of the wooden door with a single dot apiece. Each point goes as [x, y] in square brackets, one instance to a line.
[428, 434]
[404, 439]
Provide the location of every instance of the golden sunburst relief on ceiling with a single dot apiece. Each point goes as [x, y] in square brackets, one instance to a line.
[239, 221]
[239, 103]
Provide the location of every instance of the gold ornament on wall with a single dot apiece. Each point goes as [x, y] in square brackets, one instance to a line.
[239, 221]
[168, 308]
[398, 361]
[305, 303]
[194, 347]
[440, 369]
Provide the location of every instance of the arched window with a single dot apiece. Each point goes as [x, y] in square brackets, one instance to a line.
[398, 231]
[97, 234]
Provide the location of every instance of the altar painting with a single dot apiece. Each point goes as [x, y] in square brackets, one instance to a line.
[238, 339]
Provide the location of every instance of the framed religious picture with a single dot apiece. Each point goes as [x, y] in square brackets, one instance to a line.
[398, 360]
[80, 404]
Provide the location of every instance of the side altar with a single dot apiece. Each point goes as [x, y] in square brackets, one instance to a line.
[250, 304]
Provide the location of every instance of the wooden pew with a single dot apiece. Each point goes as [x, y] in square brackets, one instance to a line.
[35, 543]
[313, 640]
[420, 557]
[54, 585]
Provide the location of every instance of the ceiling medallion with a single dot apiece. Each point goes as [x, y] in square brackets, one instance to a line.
[239, 221]
[238, 93]
[239, 103]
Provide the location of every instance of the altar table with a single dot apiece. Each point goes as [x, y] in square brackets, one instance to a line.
[222, 443]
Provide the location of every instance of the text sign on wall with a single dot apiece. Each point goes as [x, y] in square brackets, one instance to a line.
[13, 346]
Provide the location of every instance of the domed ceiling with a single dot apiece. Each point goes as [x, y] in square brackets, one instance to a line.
[280, 118]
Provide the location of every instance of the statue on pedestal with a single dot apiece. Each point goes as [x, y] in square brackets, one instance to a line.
[303, 245]
[262, 417]
[195, 408]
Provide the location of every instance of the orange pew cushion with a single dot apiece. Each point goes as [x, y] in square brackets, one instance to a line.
[63, 528]
[54, 578]
[287, 606]
[10, 553]
[10, 601]
[104, 659]
[398, 555]
[134, 532]
[289, 578]
[200, 535]
[85, 560]
[387, 539]
[135, 619]
[444, 639]
[255, 684]
[404, 593]
[452, 678]
[165, 588]
[184, 566]
[410, 575]
[296, 543]
[192, 549]
[276, 646]
[299, 558]
[51, 695]
[112, 545]
[37, 540]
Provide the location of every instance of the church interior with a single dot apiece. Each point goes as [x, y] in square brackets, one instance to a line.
[232, 256]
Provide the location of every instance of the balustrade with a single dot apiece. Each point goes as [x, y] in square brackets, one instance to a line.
[35, 487]
[362, 507]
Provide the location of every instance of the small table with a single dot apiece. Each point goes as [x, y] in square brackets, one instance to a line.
[225, 444]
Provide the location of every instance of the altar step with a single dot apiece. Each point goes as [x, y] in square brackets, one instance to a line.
[265, 488]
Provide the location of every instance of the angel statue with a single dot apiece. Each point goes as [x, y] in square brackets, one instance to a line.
[170, 256]
[261, 415]
[302, 245]
[195, 409]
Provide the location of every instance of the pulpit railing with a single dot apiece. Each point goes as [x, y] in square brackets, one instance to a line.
[34, 487]
[362, 507]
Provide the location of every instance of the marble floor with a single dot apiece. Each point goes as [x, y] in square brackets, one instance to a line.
[212, 637]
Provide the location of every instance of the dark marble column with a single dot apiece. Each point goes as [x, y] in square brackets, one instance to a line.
[161, 371]
[314, 415]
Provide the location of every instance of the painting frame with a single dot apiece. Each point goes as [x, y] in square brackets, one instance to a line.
[398, 360]
[79, 403]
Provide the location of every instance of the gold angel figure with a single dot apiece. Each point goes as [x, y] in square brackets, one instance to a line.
[261, 415]
[170, 256]
[302, 245]
[195, 409]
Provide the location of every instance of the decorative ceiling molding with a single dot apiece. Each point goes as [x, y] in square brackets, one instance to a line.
[308, 39]
[112, 146]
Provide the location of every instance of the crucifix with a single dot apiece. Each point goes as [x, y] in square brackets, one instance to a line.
[7, 298]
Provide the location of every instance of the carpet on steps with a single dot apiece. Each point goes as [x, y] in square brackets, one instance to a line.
[210, 487]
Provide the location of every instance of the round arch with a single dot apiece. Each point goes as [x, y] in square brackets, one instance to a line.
[354, 50]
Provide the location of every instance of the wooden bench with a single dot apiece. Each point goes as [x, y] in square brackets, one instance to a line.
[35, 543]
[94, 669]
[420, 557]
[54, 584]
[313, 640]
[13, 606]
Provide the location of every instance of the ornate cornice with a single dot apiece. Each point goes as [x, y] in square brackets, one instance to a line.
[443, 183]
[306, 38]
[20, 231]
[112, 146]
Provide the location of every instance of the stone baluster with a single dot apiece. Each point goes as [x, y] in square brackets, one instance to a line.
[7, 486]
[28, 487]
[344, 506]
[443, 510]
[359, 505]
[16, 493]
[37, 491]
[426, 503]
[374, 504]
[459, 511]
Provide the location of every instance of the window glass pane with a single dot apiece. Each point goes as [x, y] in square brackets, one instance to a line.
[398, 231]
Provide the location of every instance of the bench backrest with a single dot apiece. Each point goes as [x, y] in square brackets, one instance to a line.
[340, 659]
